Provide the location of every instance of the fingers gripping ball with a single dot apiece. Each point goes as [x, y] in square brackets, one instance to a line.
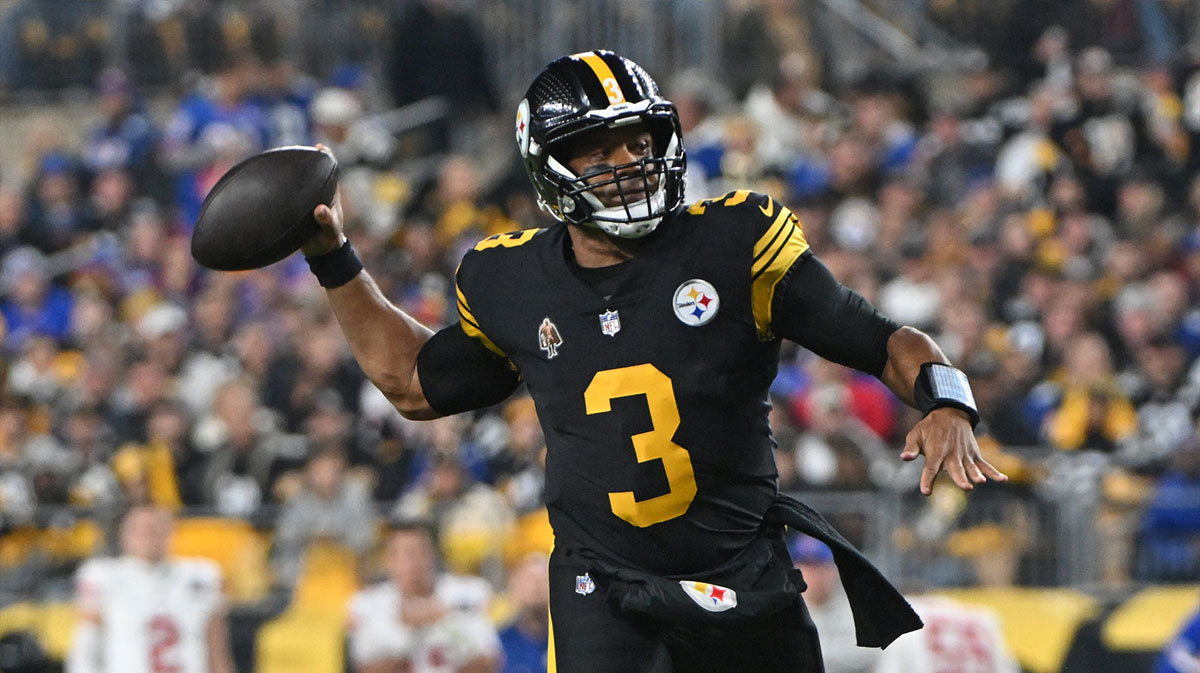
[261, 210]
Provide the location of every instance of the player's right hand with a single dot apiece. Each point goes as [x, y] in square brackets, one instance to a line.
[330, 236]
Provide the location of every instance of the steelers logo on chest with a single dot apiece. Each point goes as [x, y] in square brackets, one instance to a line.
[696, 302]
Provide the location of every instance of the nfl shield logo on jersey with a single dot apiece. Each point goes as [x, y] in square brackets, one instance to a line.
[584, 584]
[610, 323]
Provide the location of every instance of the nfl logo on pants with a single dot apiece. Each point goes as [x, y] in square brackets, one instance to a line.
[584, 584]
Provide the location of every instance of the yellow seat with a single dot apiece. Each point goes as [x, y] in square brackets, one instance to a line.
[1038, 624]
[20, 617]
[52, 623]
[18, 545]
[306, 640]
[57, 628]
[533, 533]
[79, 541]
[328, 578]
[232, 544]
[1150, 618]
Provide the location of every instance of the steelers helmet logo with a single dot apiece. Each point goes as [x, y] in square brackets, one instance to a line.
[696, 302]
[522, 126]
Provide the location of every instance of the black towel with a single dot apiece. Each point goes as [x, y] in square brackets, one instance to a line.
[881, 614]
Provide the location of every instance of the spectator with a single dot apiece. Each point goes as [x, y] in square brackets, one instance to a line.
[284, 96]
[85, 431]
[435, 48]
[12, 219]
[419, 619]
[165, 470]
[57, 216]
[32, 304]
[1167, 401]
[525, 640]
[126, 136]
[214, 127]
[1170, 536]
[473, 519]
[783, 109]
[1091, 412]
[517, 470]
[839, 451]
[829, 608]
[868, 401]
[329, 506]
[296, 379]
[246, 452]
[1182, 654]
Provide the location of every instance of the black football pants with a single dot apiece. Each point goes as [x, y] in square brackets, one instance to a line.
[589, 635]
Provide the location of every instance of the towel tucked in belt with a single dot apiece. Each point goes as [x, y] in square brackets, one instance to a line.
[760, 581]
[880, 613]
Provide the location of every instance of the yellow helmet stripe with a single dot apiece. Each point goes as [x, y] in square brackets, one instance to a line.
[605, 74]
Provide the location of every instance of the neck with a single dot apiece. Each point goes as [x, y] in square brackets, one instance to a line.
[416, 588]
[594, 248]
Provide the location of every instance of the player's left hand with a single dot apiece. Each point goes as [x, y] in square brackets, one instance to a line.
[946, 439]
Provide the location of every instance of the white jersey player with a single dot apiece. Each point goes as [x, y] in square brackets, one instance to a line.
[419, 621]
[144, 613]
[956, 639]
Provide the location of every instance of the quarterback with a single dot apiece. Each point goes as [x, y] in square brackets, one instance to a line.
[145, 613]
[647, 331]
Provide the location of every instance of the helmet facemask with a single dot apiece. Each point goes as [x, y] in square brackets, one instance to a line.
[647, 188]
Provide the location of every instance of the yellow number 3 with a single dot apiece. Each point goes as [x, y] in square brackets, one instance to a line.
[656, 444]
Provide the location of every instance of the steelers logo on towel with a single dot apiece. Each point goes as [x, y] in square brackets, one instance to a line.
[696, 302]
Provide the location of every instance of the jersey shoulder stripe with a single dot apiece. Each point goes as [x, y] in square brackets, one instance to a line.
[778, 242]
[471, 326]
[479, 268]
[775, 251]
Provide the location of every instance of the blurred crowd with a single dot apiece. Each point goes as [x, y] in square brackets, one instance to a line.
[1035, 207]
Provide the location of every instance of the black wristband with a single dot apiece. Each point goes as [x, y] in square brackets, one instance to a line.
[336, 268]
[940, 385]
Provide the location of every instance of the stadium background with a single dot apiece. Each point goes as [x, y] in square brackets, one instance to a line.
[1017, 177]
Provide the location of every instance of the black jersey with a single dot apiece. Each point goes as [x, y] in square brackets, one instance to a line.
[653, 401]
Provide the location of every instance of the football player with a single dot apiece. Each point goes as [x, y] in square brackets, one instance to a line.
[956, 637]
[648, 331]
[146, 613]
[419, 621]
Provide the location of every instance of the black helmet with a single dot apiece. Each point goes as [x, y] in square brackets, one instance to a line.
[589, 91]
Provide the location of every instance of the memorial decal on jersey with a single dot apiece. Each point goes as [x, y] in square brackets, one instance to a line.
[710, 596]
[696, 302]
[610, 323]
[584, 584]
[549, 339]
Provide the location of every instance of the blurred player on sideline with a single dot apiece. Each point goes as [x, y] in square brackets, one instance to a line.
[421, 621]
[145, 613]
[956, 637]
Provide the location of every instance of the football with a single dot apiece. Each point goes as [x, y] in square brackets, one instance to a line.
[261, 210]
